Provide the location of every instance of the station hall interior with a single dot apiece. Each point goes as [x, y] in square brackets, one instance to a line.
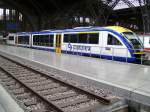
[75, 56]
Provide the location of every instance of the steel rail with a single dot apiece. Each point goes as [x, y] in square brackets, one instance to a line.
[40, 96]
[99, 98]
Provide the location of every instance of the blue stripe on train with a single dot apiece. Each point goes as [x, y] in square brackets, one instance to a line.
[115, 58]
[45, 49]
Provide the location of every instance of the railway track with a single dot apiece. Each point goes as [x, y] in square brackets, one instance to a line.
[39, 92]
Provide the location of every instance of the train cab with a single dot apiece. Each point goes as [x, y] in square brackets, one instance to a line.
[135, 46]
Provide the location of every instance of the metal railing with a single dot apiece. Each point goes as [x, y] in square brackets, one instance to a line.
[111, 53]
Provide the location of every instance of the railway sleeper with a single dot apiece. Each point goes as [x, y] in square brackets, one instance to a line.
[23, 96]
[18, 91]
[82, 107]
[6, 79]
[29, 77]
[30, 102]
[74, 102]
[10, 83]
[40, 83]
[12, 87]
[37, 106]
[52, 91]
[4, 76]
[42, 110]
[53, 98]
[22, 75]
[34, 80]
[45, 87]
[91, 108]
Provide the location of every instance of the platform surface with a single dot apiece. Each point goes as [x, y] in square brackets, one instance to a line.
[1, 108]
[132, 77]
[7, 103]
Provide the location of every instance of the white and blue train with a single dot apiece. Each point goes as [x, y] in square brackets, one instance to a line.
[112, 42]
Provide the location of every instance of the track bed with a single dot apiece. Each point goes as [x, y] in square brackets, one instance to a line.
[39, 92]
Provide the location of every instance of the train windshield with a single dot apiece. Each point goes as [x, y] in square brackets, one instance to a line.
[133, 39]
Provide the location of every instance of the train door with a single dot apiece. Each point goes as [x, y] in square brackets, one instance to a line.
[113, 46]
[58, 43]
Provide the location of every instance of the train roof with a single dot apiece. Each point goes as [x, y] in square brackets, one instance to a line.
[80, 29]
[119, 29]
[24, 33]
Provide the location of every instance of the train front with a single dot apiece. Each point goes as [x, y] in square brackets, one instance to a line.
[135, 45]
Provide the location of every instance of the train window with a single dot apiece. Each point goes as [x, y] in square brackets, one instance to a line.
[34, 40]
[23, 39]
[11, 37]
[19, 40]
[37, 39]
[46, 40]
[43, 40]
[66, 38]
[26, 38]
[94, 38]
[112, 40]
[51, 41]
[70, 38]
[73, 38]
[83, 38]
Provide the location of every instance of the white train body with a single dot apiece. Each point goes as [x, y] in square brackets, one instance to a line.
[23, 39]
[11, 39]
[96, 49]
[115, 42]
[47, 45]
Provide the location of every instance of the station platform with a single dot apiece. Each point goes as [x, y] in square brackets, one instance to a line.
[129, 77]
[1, 108]
[7, 103]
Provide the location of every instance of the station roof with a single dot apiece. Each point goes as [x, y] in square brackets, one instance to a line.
[40, 13]
[48, 7]
[43, 14]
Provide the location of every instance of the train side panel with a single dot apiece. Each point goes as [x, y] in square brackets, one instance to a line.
[24, 40]
[11, 39]
[43, 41]
[102, 49]
[113, 45]
[83, 45]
